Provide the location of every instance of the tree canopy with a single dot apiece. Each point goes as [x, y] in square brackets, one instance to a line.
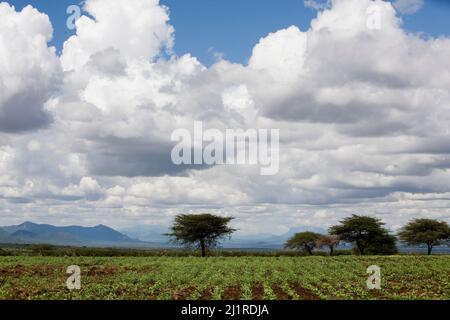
[330, 241]
[304, 241]
[367, 233]
[202, 230]
[425, 231]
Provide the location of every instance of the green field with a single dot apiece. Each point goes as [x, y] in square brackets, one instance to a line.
[403, 277]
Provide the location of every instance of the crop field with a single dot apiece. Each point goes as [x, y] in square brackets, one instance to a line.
[193, 278]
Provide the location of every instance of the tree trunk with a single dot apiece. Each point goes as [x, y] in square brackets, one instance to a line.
[430, 248]
[202, 244]
[360, 248]
[331, 250]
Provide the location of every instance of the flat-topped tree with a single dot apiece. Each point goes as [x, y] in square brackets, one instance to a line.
[425, 231]
[303, 241]
[367, 233]
[330, 241]
[201, 230]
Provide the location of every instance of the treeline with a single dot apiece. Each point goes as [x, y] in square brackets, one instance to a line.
[367, 234]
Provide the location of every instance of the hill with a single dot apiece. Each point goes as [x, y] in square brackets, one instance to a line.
[32, 233]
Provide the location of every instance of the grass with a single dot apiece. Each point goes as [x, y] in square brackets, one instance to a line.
[305, 278]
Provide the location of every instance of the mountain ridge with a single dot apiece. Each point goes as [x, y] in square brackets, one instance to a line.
[32, 233]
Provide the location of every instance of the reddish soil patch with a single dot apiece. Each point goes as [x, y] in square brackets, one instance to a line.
[304, 293]
[21, 294]
[207, 294]
[281, 294]
[121, 291]
[25, 293]
[257, 291]
[232, 293]
[20, 270]
[377, 294]
[183, 294]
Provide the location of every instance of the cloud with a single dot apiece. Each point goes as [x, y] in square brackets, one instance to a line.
[408, 6]
[29, 69]
[133, 158]
[344, 76]
[363, 117]
[317, 5]
[88, 188]
[281, 54]
[139, 30]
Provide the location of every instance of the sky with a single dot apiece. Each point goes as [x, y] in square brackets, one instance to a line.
[211, 28]
[358, 90]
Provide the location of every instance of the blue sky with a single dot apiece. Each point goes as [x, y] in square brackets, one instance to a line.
[233, 27]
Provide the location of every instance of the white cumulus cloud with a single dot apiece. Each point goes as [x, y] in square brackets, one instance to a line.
[29, 69]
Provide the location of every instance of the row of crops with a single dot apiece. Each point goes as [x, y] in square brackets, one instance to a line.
[402, 277]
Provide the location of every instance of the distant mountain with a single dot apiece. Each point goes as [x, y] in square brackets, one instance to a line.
[100, 235]
[3, 236]
[148, 233]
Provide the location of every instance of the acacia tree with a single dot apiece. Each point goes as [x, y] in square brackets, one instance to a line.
[202, 230]
[304, 241]
[367, 233]
[330, 241]
[425, 231]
